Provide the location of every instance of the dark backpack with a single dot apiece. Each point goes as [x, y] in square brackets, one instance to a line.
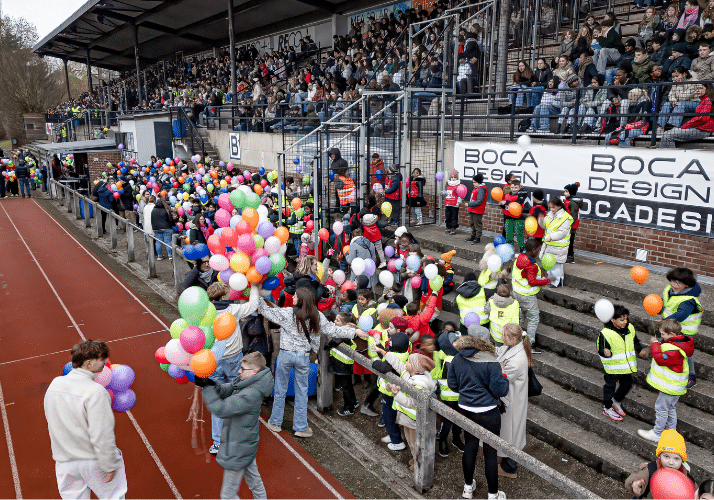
[524, 124]
[255, 336]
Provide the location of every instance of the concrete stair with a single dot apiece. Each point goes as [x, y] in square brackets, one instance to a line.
[568, 415]
[210, 150]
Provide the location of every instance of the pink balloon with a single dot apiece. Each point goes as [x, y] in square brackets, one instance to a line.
[235, 295]
[223, 217]
[339, 277]
[461, 191]
[176, 354]
[246, 243]
[192, 339]
[103, 377]
[416, 282]
[391, 267]
[241, 179]
[224, 201]
[259, 252]
[230, 166]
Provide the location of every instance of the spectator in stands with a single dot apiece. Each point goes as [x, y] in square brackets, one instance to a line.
[565, 69]
[200, 275]
[464, 73]
[582, 45]
[625, 61]
[586, 69]
[593, 102]
[642, 65]
[698, 127]
[670, 19]
[612, 47]
[566, 46]
[566, 102]
[690, 15]
[682, 98]
[522, 79]
[703, 66]
[635, 125]
[646, 29]
[615, 22]
[541, 75]
[658, 53]
[549, 106]
[162, 223]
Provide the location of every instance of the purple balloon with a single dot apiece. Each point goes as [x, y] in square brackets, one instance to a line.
[124, 400]
[226, 275]
[471, 318]
[221, 164]
[389, 251]
[266, 229]
[298, 169]
[176, 372]
[122, 378]
[247, 174]
[440, 176]
[263, 265]
[369, 267]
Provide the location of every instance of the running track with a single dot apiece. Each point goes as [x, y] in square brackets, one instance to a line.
[53, 293]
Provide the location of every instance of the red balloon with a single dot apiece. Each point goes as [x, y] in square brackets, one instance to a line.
[323, 234]
[111, 394]
[347, 285]
[159, 355]
[670, 483]
[183, 380]
[116, 196]
[263, 183]
[243, 227]
[211, 230]
[228, 237]
[215, 245]
[310, 225]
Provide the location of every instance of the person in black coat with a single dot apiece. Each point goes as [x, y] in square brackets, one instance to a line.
[22, 171]
[201, 275]
[162, 225]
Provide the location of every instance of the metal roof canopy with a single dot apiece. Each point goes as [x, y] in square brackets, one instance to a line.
[104, 28]
[95, 145]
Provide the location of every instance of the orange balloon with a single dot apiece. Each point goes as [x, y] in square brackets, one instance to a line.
[203, 363]
[639, 274]
[166, 169]
[282, 234]
[250, 215]
[515, 209]
[253, 275]
[181, 180]
[224, 325]
[188, 240]
[172, 170]
[296, 203]
[497, 193]
[652, 304]
[240, 262]
[163, 193]
[345, 249]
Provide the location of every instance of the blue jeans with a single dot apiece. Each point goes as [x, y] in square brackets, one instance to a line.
[544, 110]
[227, 370]
[519, 95]
[533, 98]
[681, 107]
[24, 185]
[300, 363]
[389, 417]
[165, 236]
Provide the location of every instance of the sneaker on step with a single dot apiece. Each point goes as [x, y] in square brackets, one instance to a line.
[692, 382]
[380, 424]
[382, 265]
[386, 439]
[273, 427]
[397, 447]
[570, 259]
[469, 490]
[498, 495]
[159, 258]
[535, 351]
[458, 444]
[213, 450]
[345, 412]
[649, 435]
[609, 412]
[304, 434]
[618, 408]
[366, 410]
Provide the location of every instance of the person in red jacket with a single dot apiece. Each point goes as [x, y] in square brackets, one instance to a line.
[698, 127]
[452, 202]
[539, 210]
[393, 193]
[670, 329]
[528, 277]
[477, 206]
[417, 321]
[515, 225]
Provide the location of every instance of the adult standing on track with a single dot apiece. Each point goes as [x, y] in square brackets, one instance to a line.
[300, 329]
[238, 403]
[22, 171]
[81, 425]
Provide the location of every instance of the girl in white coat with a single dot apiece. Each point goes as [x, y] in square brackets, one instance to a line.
[557, 238]
[515, 358]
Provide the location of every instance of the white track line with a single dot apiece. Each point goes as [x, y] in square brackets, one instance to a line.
[309, 467]
[10, 449]
[153, 454]
[101, 264]
[74, 323]
[67, 350]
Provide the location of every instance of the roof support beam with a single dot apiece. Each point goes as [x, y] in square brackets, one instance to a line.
[321, 4]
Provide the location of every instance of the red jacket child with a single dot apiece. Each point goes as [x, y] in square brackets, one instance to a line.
[529, 270]
[674, 360]
[420, 322]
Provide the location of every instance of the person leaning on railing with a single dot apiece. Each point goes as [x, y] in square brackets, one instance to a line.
[699, 127]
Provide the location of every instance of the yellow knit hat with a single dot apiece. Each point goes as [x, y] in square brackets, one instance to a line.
[446, 257]
[671, 441]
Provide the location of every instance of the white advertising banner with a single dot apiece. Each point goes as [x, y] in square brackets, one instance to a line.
[667, 189]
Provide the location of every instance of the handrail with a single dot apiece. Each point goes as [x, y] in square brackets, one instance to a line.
[428, 406]
[196, 138]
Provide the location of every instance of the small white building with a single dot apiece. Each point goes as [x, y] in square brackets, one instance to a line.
[146, 135]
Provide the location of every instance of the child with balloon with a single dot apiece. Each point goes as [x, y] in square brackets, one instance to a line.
[453, 195]
[557, 238]
[342, 366]
[361, 250]
[527, 280]
[512, 206]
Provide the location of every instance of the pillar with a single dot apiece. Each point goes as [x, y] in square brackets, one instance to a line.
[89, 71]
[136, 57]
[66, 77]
[232, 50]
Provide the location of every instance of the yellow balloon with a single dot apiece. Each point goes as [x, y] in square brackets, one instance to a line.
[320, 271]
[531, 225]
[185, 196]
[387, 208]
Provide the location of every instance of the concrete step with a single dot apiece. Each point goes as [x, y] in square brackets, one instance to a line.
[695, 425]
[586, 446]
[583, 352]
[586, 413]
[584, 302]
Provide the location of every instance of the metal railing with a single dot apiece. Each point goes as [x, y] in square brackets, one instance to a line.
[188, 131]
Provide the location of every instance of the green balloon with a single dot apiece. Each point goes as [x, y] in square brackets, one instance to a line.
[210, 316]
[210, 339]
[209, 188]
[138, 197]
[193, 304]
[252, 200]
[187, 187]
[436, 283]
[238, 198]
[164, 366]
[548, 261]
[278, 261]
[259, 241]
[177, 327]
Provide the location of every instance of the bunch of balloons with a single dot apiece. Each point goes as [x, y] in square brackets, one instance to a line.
[117, 380]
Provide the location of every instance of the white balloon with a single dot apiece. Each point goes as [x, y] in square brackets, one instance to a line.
[381, 307]
[431, 271]
[176, 354]
[358, 266]
[524, 141]
[283, 248]
[386, 278]
[219, 262]
[263, 210]
[237, 282]
[272, 245]
[494, 263]
[245, 189]
[265, 293]
[604, 310]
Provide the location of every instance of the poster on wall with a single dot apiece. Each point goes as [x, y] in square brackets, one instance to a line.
[381, 12]
[427, 5]
[667, 189]
[321, 34]
[234, 145]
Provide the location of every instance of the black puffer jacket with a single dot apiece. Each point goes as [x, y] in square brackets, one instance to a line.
[22, 170]
[339, 162]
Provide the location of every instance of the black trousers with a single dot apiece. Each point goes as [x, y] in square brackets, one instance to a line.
[609, 392]
[571, 247]
[452, 217]
[491, 421]
[447, 425]
[344, 383]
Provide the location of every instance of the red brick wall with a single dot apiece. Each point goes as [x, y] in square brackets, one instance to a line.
[97, 163]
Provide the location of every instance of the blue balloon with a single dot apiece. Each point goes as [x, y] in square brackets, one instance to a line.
[498, 240]
[505, 252]
[271, 283]
[399, 263]
[379, 174]
[365, 322]
[235, 220]
[190, 376]
[67, 368]
[261, 170]
[296, 161]
[172, 200]
[121, 163]
[148, 163]
[189, 252]
[413, 262]
[332, 174]
[201, 250]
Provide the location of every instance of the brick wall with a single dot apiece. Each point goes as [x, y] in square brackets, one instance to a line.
[97, 163]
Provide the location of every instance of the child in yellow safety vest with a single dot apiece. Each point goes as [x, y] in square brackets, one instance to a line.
[618, 346]
[669, 374]
[442, 360]
[501, 309]
[341, 367]
[365, 306]
[557, 238]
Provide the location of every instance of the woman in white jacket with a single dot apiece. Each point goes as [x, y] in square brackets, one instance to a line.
[515, 358]
[557, 238]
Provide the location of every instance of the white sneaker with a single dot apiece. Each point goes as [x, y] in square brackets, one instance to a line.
[469, 490]
[396, 447]
[618, 408]
[609, 412]
[159, 258]
[498, 495]
[649, 435]
[382, 265]
[273, 427]
[304, 434]
[386, 439]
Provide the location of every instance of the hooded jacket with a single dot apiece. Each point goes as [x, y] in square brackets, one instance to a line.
[238, 404]
[498, 301]
[476, 375]
[688, 307]
[338, 162]
[673, 359]
[22, 171]
[529, 270]
[423, 380]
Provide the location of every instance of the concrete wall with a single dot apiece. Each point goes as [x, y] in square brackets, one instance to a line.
[258, 149]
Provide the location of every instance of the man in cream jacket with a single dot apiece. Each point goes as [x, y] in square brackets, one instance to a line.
[81, 425]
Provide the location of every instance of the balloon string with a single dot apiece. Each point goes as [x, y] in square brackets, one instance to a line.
[195, 414]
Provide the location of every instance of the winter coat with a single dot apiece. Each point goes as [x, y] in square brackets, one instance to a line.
[673, 359]
[476, 375]
[641, 70]
[564, 73]
[529, 270]
[423, 380]
[193, 278]
[338, 162]
[645, 473]
[514, 361]
[160, 219]
[565, 48]
[105, 196]
[541, 77]
[560, 253]
[238, 404]
[703, 68]
[22, 171]
[594, 100]
[705, 123]
[682, 92]
[195, 235]
[363, 248]
[147, 217]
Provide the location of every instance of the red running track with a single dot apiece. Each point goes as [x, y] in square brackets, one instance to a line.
[54, 292]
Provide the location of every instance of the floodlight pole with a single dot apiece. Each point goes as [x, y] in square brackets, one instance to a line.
[135, 30]
[66, 77]
[89, 71]
[232, 42]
